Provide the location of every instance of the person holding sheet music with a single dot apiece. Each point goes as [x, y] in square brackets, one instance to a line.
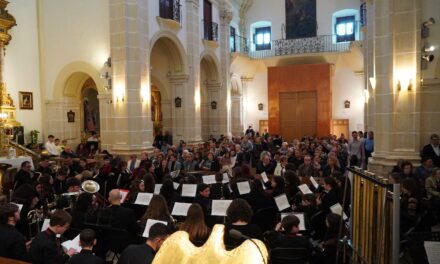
[277, 185]
[331, 195]
[12, 243]
[136, 187]
[286, 234]
[158, 210]
[87, 240]
[119, 217]
[195, 226]
[239, 214]
[46, 246]
[328, 248]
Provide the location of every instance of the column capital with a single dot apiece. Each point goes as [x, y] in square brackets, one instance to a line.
[225, 16]
[179, 78]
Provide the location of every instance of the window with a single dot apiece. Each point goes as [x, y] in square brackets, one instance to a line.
[232, 41]
[262, 38]
[345, 29]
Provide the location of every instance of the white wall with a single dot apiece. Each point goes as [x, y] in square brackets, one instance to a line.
[73, 31]
[22, 63]
[277, 15]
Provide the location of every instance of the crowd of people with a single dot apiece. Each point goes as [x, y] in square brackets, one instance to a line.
[111, 219]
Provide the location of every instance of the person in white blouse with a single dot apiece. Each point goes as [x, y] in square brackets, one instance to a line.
[50, 146]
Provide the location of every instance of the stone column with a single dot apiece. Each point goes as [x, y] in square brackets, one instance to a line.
[397, 60]
[132, 126]
[180, 119]
[224, 124]
[245, 104]
[191, 98]
[105, 120]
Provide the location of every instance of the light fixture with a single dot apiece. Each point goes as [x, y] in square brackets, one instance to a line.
[428, 48]
[428, 57]
[429, 22]
[405, 84]
[3, 116]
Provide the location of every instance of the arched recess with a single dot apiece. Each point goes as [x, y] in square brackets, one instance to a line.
[67, 102]
[210, 86]
[167, 61]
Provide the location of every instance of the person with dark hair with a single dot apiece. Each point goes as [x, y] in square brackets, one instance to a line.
[407, 170]
[46, 247]
[167, 191]
[278, 186]
[425, 169]
[83, 211]
[73, 187]
[239, 214]
[287, 235]
[161, 171]
[28, 197]
[12, 243]
[59, 183]
[158, 210]
[331, 195]
[149, 178]
[203, 197]
[219, 190]
[50, 146]
[136, 187]
[195, 225]
[330, 243]
[24, 175]
[87, 240]
[144, 253]
[432, 150]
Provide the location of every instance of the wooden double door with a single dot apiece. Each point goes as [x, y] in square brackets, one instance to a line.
[297, 114]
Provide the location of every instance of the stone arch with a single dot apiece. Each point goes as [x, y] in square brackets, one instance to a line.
[175, 51]
[72, 77]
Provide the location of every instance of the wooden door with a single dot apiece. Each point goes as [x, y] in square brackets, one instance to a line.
[298, 114]
[340, 126]
[263, 124]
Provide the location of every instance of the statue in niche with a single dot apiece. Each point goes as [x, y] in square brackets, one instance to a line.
[9, 101]
[156, 111]
[89, 116]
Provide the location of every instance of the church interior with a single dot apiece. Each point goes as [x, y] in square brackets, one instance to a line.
[219, 131]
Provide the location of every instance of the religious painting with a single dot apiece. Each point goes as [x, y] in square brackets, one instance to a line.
[18, 135]
[26, 100]
[178, 101]
[300, 19]
[91, 110]
[156, 106]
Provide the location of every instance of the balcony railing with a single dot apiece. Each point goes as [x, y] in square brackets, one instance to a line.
[241, 44]
[170, 9]
[283, 47]
[210, 30]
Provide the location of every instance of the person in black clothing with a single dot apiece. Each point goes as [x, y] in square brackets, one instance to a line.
[24, 175]
[239, 215]
[278, 186]
[12, 243]
[87, 240]
[144, 253]
[432, 150]
[330, 242]
[203, 198]
[290, 238]
[83, 211]
[219, 190]
[28, 197]
[46, 247]
[59, 184]
[331, 195]
[73, 186]
[119, 217]
[265, 165]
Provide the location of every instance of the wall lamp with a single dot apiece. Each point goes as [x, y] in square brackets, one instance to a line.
[427, 58]
[428, 48]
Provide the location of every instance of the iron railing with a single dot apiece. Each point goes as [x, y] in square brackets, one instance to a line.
[241, 44]
[210, 30]
[318, 44]
[170, 9]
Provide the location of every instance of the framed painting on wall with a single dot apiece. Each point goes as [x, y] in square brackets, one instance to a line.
[26, 100]
[300, 19]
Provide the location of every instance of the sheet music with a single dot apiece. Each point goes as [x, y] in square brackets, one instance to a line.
[176, 185]
[219, 207]
[304, 188]
[72, 244]
[315, 184]
[123, 194]
[180, 209]
[243, 187]
[337, 209]
[209, 179]
[225, 178]
[157, 187]
[432, 249]
[300, 216]
[45, 225]
[20, 206]
[264, 177]
[282, 202]
[262, 184]
[143, 198]
[189, 190]
[149, 224]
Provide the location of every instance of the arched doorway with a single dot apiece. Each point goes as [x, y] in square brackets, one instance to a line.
[209, 96]
[90, 108]
[167, 60]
